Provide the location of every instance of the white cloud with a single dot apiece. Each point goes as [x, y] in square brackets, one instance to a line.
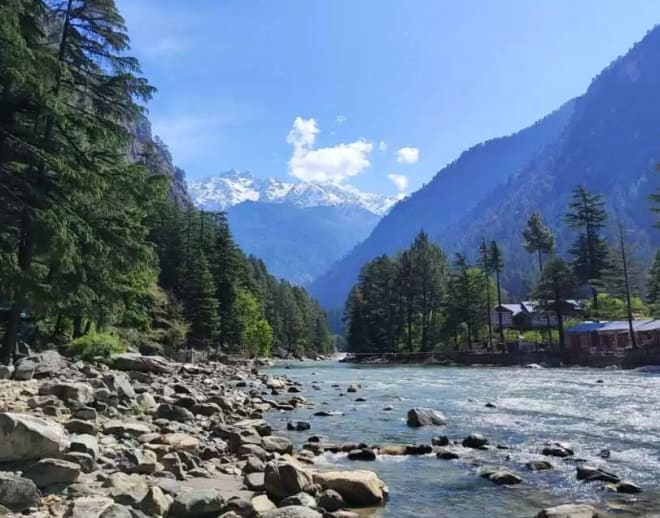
[382, 146]
[341, 119]
[326, 165]
[400, 181]
[407, 155]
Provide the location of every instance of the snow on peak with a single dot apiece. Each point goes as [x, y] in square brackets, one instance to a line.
[233, 187]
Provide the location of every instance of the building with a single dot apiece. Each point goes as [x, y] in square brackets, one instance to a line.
[592, 338]
[528, 315]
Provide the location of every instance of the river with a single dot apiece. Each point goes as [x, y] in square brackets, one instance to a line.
[532, 406]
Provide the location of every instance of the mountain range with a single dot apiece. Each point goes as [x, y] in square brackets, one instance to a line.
[298, 229]
[608, 139]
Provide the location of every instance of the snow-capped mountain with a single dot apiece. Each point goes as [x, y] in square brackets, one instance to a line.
[233, 187]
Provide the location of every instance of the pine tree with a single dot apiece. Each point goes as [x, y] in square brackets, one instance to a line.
[653, 291]
[486, 266]
[538, 238]
[201, 306]
[497, 264]
[588, 217]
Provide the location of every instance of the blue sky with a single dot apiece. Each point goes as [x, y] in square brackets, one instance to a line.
[380, 94]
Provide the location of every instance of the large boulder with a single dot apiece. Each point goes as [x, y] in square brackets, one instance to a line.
[89, 507]
[80, 393]
[330, 500]
[292, 511]
[425, 417]
[501, 476]
[119, 383]
[45, 364]
[594, 473]
[275, 444]
[181, 442]
[283, 478]
[50, 472]
[156, 502]
[139, 363]
[25, 437]
[18, 494]
[197, 504]
[174, 413]
[357, 488]
[116, 427]
[569, 511]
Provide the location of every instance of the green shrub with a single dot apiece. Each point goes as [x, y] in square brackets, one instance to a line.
[94, 345]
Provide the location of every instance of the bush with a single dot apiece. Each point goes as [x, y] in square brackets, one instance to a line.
[94, 345]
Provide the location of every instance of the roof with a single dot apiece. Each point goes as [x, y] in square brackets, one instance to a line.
[615, 326]
[652, 325]
[512, 308]
[585, 327]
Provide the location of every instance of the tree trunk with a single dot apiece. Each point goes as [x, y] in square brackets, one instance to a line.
[499, 304]
[488, 311]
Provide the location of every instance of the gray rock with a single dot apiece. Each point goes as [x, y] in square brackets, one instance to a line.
[475, 441]
[47, 363]
[115, 427]
[304, 499]
[84, 460]
[539, 465]
[85, 413]
[440, 440]
[79, 426]
[238, 438]
[174, 413]
[282, 479]
[626, 487]
[362, 454]
[85, 443]
[292, 511]
[140, 461]
[156, 502]
[425, 417]
[255, 481]
[80, 393]
[89, 507]
[147, 401]
[276, 444]
[240, 507]
[569, 511]
[445, 454]
[120, 384]
[557, 449]
[18, 494]
[139, 363]
[197, 504]
[206, 409]
[593, 473]
[501, 476]
[49, 472]
[254, 464]
[126, 489]
[24, 370]
[330, 500]
[6, 372]
[298, 426]
[24, 437]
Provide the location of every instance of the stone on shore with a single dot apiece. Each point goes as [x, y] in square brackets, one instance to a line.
[199, 503]
[17, 493]
[156, 502]
[284, 478]
[139, 363]
[330, 500]
[80, 393]
[569, 511]
[49, 472]
[557, 449]
[593, 473]
[357, 488]
[501, 476]
[539, 465]
[25, 437]
[89, 507]
[425, 417]
[292, 511]
[475, 441]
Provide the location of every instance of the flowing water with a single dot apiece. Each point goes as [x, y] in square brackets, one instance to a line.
[533, 406]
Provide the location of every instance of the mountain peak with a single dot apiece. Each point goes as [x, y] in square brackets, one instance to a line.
[222, 191]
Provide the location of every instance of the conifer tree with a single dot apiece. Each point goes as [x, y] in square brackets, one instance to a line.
[497, 264]
[538, 238]
[486, 266]
[653, 290]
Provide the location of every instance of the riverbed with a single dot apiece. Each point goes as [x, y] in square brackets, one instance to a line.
[593, 410]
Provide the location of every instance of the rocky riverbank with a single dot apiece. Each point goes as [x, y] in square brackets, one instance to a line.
[143, 436]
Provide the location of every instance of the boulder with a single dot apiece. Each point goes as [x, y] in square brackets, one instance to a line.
[593, 473]
[475, 441]
[6, 372]
[283, 478]
[85, 413]
[126, 489]
[292, 511]
[84, 460]
[197, 504]
[89, 507]
[143, 462]
[47, 363]
[49, 472]
[445, 454]
[81, 427]
[24, 370]
[425, 417]
[156, 502]
[116, 427]
[275, 444]
[262, 504]
[362, 454]
[147, 401]
[139, 363]
[418, 449]
[206, 409]
[238, 438]
[241, 507]
[80, 393]
[119, 383]
[569, 511]
[501, 476]
[352, 388]
[539, 465]
[254, 464]
[440, 440]
[181, 442]
[625, 486]
[255, 481]
[357, 488]
[85, 443]
[174, 413]
[557, 449]
[24, 437]
[330, 500]
[18, 494]
[304, 499]
[298, 426]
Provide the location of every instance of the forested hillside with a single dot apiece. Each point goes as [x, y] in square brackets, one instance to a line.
[97, 236]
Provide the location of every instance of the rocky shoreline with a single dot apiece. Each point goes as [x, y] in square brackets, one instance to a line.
[143, 436]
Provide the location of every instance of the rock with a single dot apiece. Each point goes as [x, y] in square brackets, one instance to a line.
[85, 413]
[282, 479]
[24, 370]
[81, 427]
[440, 440]
[330, 500]
[84, 443]
[80, 393]
[169, 486]
[47, 363]
[501, 476]
[240, 507]
[593, 473]
[539, 465]
[206, 409]
[445, 454]
[173, 464]
[352, 388]
[140, 461]
[262, 504]
[139, 363]
[126, 489]
[119, 383]
[605, 453]
[135, 429]
[181, 442]
[18, 494]
[557, 449]
[357, 488]
[6, 372]
[418, 449]
[89, 507]
[276, 444]
[155, 503]
[254, 465]
[197, 504]
[490, 405]
[362, 454]
[327, 413]
[298, 426]
[147, 401]
[392, 449]
[475, 441]
[24, 437]
[239, 438]
[174, 413]
[569, 511]
[84, 460]
[304, 499]
[49, 472]
[627, 487]
[425, 417]
[255, 481]
[292, 511]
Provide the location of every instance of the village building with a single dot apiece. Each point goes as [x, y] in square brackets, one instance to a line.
[528, 315]
[613, 337]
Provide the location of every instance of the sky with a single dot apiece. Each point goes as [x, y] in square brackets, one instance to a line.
[378, 94]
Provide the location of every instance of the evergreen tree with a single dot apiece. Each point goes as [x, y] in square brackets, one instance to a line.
[538, 238]
[486, 266]
[653, 291]
[497, 262]
[201, 306]
[588, 217]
